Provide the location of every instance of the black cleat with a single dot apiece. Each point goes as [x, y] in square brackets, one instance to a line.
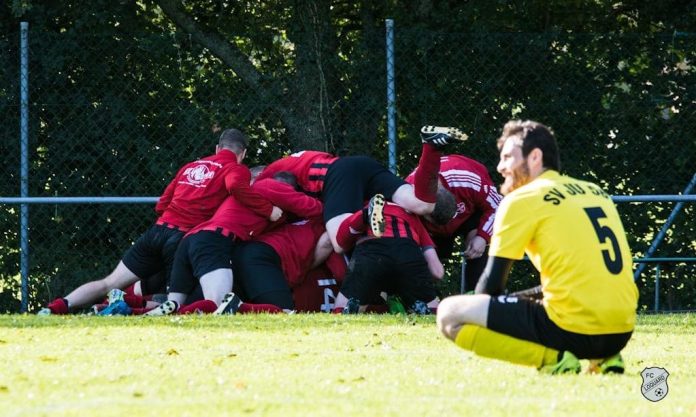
[229, 305]
[353, 306]
[441, 136]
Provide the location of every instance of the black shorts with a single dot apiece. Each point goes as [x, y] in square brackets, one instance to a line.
[393, 265]
[259, 277]
[525, 319]
[198, 254]
[352, 180]
[153, 252]
[444, 245]
[154, 284]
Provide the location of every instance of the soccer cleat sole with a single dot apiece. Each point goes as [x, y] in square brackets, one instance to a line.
[166, 308]
[229, 305]
[375, 213]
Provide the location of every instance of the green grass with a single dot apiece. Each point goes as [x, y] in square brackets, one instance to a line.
[311, 365]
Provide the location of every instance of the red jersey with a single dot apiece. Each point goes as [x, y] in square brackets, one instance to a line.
[400, 223]
[474, 191]
[308, 166]
[234, 218]
[201, 186]
[294, 243]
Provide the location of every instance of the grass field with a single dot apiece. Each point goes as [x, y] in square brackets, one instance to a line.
[311, 365]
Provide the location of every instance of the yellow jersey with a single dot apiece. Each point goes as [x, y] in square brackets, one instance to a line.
[572, 234]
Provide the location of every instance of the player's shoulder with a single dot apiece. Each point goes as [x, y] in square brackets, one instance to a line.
[308, 154]
[530, 192]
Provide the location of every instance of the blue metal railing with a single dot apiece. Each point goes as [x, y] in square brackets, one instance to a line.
[658, 272]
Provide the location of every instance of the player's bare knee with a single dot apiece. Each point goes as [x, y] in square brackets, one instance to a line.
[448, 322]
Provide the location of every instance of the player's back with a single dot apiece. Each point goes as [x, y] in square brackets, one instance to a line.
[309, 167]
[578, 244]
[198, 189]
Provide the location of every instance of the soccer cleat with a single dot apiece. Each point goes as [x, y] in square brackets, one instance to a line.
[114, 296]
[96, 308]
[166, 308]
[421, 308]
[611, 365]
[353, 306]
[375, 215]
[229, 305]
[44, 312]
[441, 136]
[117, 308]
[567, 364]
[395, 305]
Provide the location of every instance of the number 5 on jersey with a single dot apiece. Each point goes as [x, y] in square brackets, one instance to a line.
[603, 233]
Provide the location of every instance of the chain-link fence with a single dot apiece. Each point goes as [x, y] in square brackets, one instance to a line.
[117, 115]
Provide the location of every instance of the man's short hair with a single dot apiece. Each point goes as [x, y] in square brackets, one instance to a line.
[286, 177]
[445, 207]
[256, 171]
[234, 140]
[533, 135]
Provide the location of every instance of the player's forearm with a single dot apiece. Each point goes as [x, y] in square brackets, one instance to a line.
[494, 276]
[322, 250]
[434, 264]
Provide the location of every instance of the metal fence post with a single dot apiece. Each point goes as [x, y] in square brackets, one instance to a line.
[24, 164]
[391, 96]
[657, 287]
[462, 276]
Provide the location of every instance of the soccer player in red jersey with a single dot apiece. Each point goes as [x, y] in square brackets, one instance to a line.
[269, 268]
[344, 184]
[192, 197]
[394, 254]
[477, 200]
[205, 253]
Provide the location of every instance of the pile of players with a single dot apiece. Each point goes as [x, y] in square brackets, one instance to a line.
[277, 238]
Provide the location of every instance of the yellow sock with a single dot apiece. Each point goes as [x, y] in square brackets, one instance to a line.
[487, 343]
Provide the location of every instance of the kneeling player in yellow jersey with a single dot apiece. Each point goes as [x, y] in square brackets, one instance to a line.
[572, 234]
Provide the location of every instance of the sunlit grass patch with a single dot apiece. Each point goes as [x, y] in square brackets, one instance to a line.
[310, 365]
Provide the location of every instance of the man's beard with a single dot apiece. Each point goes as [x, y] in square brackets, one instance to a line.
[519, 177]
